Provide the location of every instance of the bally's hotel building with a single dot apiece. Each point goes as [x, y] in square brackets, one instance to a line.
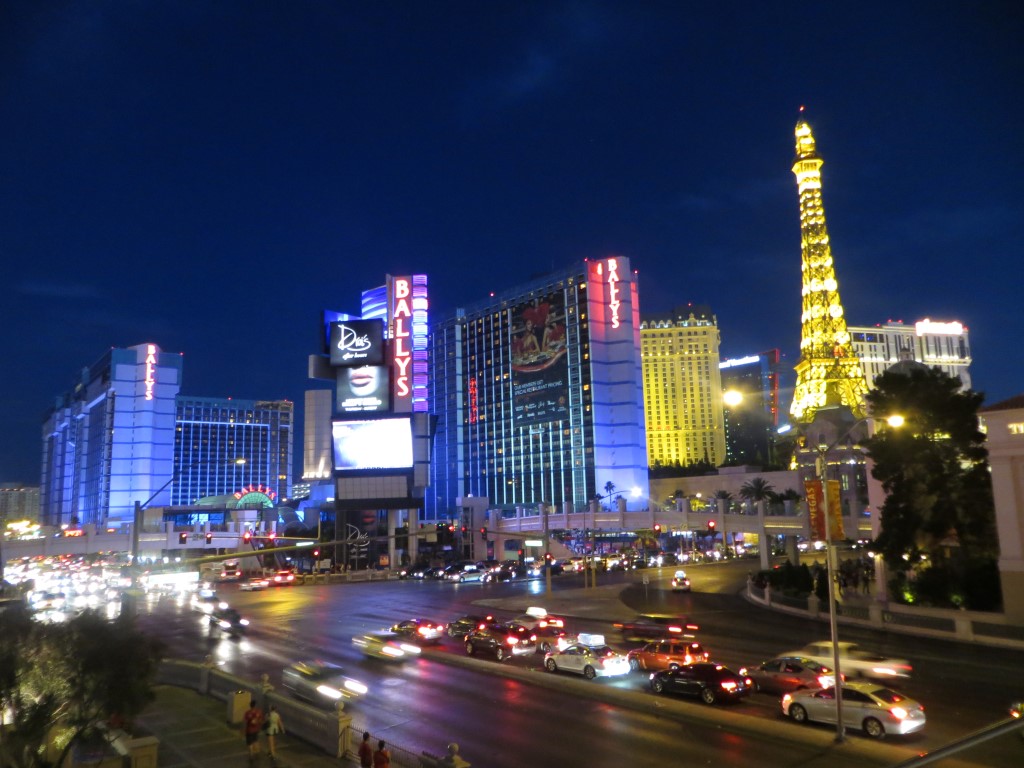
[538, 395]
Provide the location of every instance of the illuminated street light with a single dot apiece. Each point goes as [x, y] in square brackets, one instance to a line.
[732, 397]
[894, 421]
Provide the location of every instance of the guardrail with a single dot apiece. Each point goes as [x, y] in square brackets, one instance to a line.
[976, 627]
[332, 732]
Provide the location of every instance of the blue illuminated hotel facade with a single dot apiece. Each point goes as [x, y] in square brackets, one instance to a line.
[123, 434]
[538, 394]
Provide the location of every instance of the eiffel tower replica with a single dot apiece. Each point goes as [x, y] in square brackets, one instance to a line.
[828, 375]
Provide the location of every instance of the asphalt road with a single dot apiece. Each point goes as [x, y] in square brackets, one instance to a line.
[514, 713]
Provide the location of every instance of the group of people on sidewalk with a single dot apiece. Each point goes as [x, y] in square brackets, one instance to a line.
[257, 722]
[370, 758]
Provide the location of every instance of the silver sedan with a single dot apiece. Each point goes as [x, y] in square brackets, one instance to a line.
[870, 707]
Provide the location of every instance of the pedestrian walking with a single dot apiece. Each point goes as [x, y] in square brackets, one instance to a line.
[253, 724]
[275, 726]
[381, 758]
[366, 752]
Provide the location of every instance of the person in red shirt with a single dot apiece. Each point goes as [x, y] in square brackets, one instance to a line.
[381, 758]
[366, 752]
[253, 725]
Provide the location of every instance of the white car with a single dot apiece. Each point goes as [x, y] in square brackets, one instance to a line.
[869, 707]
[255, 584]
[385, 645]
[855, 661]
[320, 682]
[589, 657]
[680, 582]
[539, 618]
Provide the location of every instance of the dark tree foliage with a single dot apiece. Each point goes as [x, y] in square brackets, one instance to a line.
[66, 679]
[935, 472]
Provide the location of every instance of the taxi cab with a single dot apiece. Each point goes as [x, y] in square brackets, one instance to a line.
[589, 656]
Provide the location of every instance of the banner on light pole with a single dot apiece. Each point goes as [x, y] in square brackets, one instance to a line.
[815, 508]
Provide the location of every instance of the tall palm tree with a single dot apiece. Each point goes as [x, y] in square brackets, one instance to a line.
[758, 489]
[609, 488]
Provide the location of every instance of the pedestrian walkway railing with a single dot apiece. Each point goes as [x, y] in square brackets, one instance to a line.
[333, 732]
[865, 610]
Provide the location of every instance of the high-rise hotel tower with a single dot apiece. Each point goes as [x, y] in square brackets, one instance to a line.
[537, 393]
[682, 387]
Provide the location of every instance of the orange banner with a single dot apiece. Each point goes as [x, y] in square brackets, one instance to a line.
[815, 508]
[835, 511]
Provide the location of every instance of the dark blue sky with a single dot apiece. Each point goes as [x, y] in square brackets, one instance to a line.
[210, 176]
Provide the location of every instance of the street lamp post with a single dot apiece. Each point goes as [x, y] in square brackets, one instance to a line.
[831, 561]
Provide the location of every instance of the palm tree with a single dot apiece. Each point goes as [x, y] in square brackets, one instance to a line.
[609, 488]
[758, 489]
[723, 495]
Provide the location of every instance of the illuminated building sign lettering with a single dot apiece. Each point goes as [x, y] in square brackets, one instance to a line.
[927, 326]
[260, 489]
[402, 343]
[408, 325]
[472, 402]
[150, 370]
[613, 291]
[739, 361]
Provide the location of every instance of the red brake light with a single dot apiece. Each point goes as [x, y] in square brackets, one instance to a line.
[512, 640]
[898, 712]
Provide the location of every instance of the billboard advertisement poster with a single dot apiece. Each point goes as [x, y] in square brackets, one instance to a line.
[356, 342]
[366, 389]
[540, 388]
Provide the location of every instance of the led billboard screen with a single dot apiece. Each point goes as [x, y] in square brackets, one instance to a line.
[372, 444]
[366, 389]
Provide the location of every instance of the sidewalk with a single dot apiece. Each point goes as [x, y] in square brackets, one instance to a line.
[193, 731]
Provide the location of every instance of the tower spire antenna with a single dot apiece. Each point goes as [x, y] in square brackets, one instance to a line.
[828, 373]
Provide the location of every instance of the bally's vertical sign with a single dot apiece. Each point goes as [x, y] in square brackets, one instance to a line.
[407, 317]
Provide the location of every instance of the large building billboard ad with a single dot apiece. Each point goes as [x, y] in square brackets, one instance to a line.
[540, 369]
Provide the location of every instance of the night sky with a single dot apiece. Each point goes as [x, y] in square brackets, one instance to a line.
[209, 176]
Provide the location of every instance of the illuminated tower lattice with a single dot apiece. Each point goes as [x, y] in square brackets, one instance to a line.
[828, 373]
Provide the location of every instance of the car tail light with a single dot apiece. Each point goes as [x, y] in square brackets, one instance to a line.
[728, 685]
[786, 699]
[674, 628]
[512, 640]
[826, 681]
[898, 712]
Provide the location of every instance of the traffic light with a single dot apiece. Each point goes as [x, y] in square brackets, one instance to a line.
[316, 553]
[548, 556]
[657, 527]
[183, 538]
[451, 529]
[271, 535]
[483, 531]
[711, 527]
[209, 538]
[463, 530]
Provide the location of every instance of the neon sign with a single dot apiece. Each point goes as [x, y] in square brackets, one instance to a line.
[402, 331]
[928, 326]
[262, 489]
[150, 370]
[408, 332]
[472, 402]
[613, 291]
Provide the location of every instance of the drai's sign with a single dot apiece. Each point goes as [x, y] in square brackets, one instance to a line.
[357, 342]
